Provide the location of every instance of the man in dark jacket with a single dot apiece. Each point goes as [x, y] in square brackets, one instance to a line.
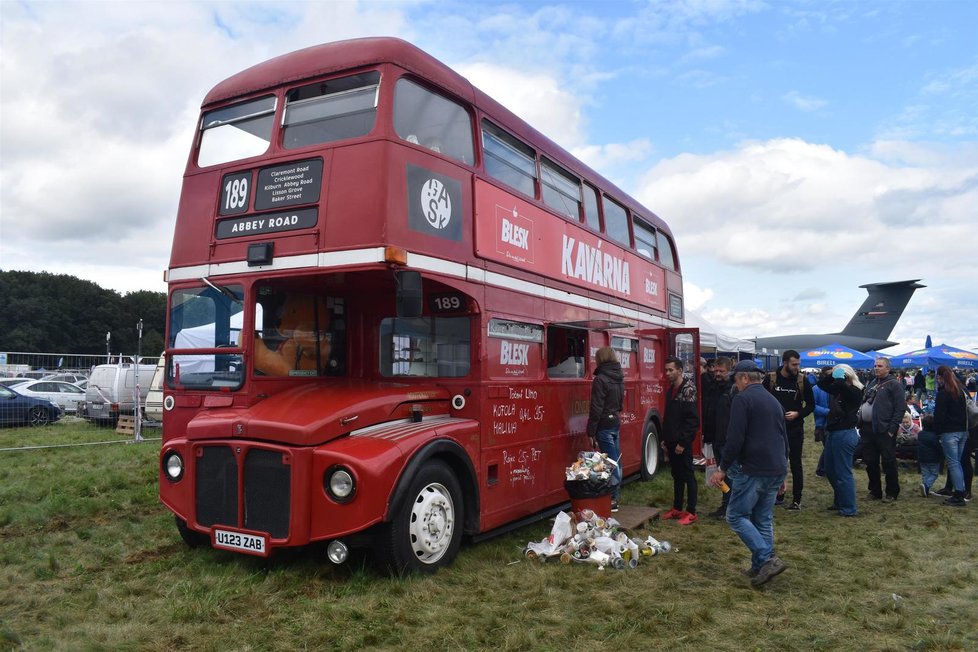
[720, 418]
[603, 423]
[794, 393]
[756, 458]
[678, 431]
[889, 402]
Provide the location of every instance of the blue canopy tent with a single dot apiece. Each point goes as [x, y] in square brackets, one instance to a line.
[833, 354]
[935, 356]
[877, 354]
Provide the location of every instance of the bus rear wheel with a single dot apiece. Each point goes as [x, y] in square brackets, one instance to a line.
[650, 452]
[426, 532]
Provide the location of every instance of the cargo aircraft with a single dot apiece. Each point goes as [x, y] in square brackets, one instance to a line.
[868, 330]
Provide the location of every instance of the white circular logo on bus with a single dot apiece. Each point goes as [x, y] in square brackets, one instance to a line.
[436, 204]
[168, 403]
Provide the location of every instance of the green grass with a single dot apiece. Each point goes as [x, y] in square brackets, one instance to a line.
[90, 560]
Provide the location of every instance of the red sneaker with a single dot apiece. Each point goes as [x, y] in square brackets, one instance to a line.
[672, 513]
[688, 519]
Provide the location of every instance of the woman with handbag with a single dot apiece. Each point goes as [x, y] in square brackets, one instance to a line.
[951, 426]
[845, 392]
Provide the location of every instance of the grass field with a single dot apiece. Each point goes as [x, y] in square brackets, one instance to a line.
[90, 560]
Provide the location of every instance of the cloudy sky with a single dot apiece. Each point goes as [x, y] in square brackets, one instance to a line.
[798, 149]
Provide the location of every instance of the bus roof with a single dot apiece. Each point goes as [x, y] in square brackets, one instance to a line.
[328, 58]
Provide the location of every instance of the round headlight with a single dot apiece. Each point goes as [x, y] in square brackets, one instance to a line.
[337, 552]
[340, 484]
[173, 466]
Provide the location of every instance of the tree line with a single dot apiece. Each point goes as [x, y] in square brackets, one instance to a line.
[58, 313]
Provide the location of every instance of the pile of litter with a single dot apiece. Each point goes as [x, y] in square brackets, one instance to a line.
[591, 465]
[591, 539]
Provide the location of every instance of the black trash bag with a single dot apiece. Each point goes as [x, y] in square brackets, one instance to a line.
[591, 488]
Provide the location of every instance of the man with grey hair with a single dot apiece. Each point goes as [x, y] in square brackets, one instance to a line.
[887, 403]
[756, 459]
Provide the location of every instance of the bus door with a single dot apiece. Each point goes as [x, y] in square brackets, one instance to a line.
[516, 425]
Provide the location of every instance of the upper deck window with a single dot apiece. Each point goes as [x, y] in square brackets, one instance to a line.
[235, 132]
[616, 222]
[509, 160]
[591, 217]
[430, 120]
[331, 110]
[561, 189]
[666, 256]
[644, 239]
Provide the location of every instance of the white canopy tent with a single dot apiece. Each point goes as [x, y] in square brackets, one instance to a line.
[712, 339]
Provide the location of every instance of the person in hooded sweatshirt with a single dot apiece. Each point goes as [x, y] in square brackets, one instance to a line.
[604, 418]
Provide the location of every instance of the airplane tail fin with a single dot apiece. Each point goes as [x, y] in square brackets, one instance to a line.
[881, 309]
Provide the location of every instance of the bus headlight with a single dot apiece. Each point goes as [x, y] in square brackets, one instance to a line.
[173, 465]
[340, 484]
[337, 551]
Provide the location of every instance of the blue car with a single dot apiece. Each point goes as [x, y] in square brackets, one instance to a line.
[18, 410]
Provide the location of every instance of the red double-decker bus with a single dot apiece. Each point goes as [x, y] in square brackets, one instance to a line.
[385, 292]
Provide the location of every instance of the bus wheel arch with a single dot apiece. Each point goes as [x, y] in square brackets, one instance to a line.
[651, 453]
[433, 504]
[424, 532]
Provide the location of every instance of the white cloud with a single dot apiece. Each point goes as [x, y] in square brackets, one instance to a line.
[797, 100]
[767, 200]
[536, 97]
[695, 297]
[790, 229]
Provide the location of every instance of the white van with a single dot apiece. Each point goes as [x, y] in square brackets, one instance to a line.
[153, 408]
[111, 389]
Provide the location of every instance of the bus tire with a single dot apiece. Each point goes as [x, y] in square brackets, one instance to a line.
[651, 453]
[426, 532]
[190, 537]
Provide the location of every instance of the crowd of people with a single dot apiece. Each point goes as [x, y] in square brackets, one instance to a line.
[758, 439]
[754, 423]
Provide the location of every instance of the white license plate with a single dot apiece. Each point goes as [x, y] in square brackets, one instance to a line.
[241, 542]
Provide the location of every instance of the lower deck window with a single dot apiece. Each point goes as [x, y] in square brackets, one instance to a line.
[426, 346]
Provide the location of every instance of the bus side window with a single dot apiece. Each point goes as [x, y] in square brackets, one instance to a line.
[566, 352]
[424, 118]
[508, 159]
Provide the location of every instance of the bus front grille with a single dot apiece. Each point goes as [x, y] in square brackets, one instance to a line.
[265, 487]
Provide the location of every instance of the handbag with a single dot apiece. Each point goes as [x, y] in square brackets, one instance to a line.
[971, 413]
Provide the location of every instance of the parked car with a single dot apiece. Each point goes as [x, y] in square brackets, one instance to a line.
[33, 375]
[153, 408]
[67, 378]
[111, 387]
[65, 395]
[11, 382]
[18, 410]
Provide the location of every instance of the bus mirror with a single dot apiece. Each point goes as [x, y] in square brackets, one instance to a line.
[408, 294]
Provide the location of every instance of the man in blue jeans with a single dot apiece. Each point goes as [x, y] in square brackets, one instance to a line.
[756, 458]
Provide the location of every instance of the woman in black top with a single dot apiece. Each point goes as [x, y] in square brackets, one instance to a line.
[607, 394]
[951, 426]
[845, 394]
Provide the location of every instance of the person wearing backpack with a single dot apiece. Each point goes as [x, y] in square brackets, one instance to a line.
[794, 393]
[951, 426]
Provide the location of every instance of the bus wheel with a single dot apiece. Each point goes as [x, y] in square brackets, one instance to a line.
[650, 452]
[190, 537]
[426, 532]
